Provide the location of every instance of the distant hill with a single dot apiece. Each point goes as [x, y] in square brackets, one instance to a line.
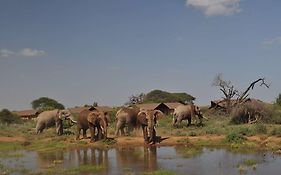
[158, 96]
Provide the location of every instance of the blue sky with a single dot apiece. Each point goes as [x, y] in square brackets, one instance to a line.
[78, 52]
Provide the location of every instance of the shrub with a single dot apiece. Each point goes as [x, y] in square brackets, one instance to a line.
[8, 117]
[235, 138]
[250, 111]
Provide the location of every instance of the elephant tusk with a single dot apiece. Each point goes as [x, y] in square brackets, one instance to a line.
[73, 121]
[205, 117]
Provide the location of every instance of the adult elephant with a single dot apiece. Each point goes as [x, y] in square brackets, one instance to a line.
[83, 122]
[148, 120]
[98, 120]
[126, 117]
[187, 112]
[54, 117]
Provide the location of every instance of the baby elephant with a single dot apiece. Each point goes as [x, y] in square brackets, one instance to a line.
[148, 120]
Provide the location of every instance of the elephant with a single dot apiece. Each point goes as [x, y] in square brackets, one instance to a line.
[148, 120]
[54, 117]
[82, 123]
[126, 117]
[186, 112]
[98, 120]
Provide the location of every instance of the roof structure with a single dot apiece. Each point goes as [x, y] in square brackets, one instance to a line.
[29, 112]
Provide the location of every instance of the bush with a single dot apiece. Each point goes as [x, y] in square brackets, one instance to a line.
[7, 117]
[254, 109]
[235, 138]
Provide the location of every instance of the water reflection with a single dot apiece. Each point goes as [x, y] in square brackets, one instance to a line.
[136, 160]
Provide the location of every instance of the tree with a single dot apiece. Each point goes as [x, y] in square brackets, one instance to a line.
[158, 96]
[8, 117]
[45, 103]
[136, 99]
[230, 92]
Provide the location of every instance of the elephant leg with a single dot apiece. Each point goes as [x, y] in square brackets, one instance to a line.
[153, 136]
[122, 131]
[92, 130]
[59, 127]
[84, 133]
[129, 128]
[188, 121]
[78, 133]
[119, 126]
[99, 133]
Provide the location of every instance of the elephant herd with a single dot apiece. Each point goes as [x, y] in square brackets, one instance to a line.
[127, 119]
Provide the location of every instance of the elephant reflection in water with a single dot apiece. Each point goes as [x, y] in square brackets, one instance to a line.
[92, 156]
[139, 159]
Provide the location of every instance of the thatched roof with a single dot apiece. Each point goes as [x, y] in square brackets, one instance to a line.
[148, 106]
[26, 113]
[172, 105]
[77, 110]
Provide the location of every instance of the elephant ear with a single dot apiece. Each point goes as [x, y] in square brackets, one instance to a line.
[107, 118]
[157, 115]
[142, 117]
[93, 117]
[59, 114]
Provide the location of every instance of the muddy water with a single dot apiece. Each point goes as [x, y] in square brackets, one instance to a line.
[142, 159]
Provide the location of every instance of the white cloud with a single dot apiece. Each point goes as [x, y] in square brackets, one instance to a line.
[215, 7]
[6, 53]
[269, 42]
[26, 52]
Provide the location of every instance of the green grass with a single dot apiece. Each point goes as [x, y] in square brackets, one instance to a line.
[249, 162]
[160, 172]
[4, 146]
[76, 170]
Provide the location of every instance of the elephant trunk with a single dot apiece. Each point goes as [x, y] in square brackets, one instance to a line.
[174, 121]
[152, 134]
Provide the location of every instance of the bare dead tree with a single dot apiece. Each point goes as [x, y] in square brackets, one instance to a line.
[136, 99]
[230, 92]
[226, 88]
[241, 98]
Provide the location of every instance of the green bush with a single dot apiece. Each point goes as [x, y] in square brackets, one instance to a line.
[245, 131]
[235, 138]
[7, 117]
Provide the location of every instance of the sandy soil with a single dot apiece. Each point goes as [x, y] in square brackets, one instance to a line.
[12, 139]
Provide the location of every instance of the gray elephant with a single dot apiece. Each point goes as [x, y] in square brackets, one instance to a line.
[83, 122]
[148, 120]
[54, 117]
[98, 120]
[126, 117]
[187, 112]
